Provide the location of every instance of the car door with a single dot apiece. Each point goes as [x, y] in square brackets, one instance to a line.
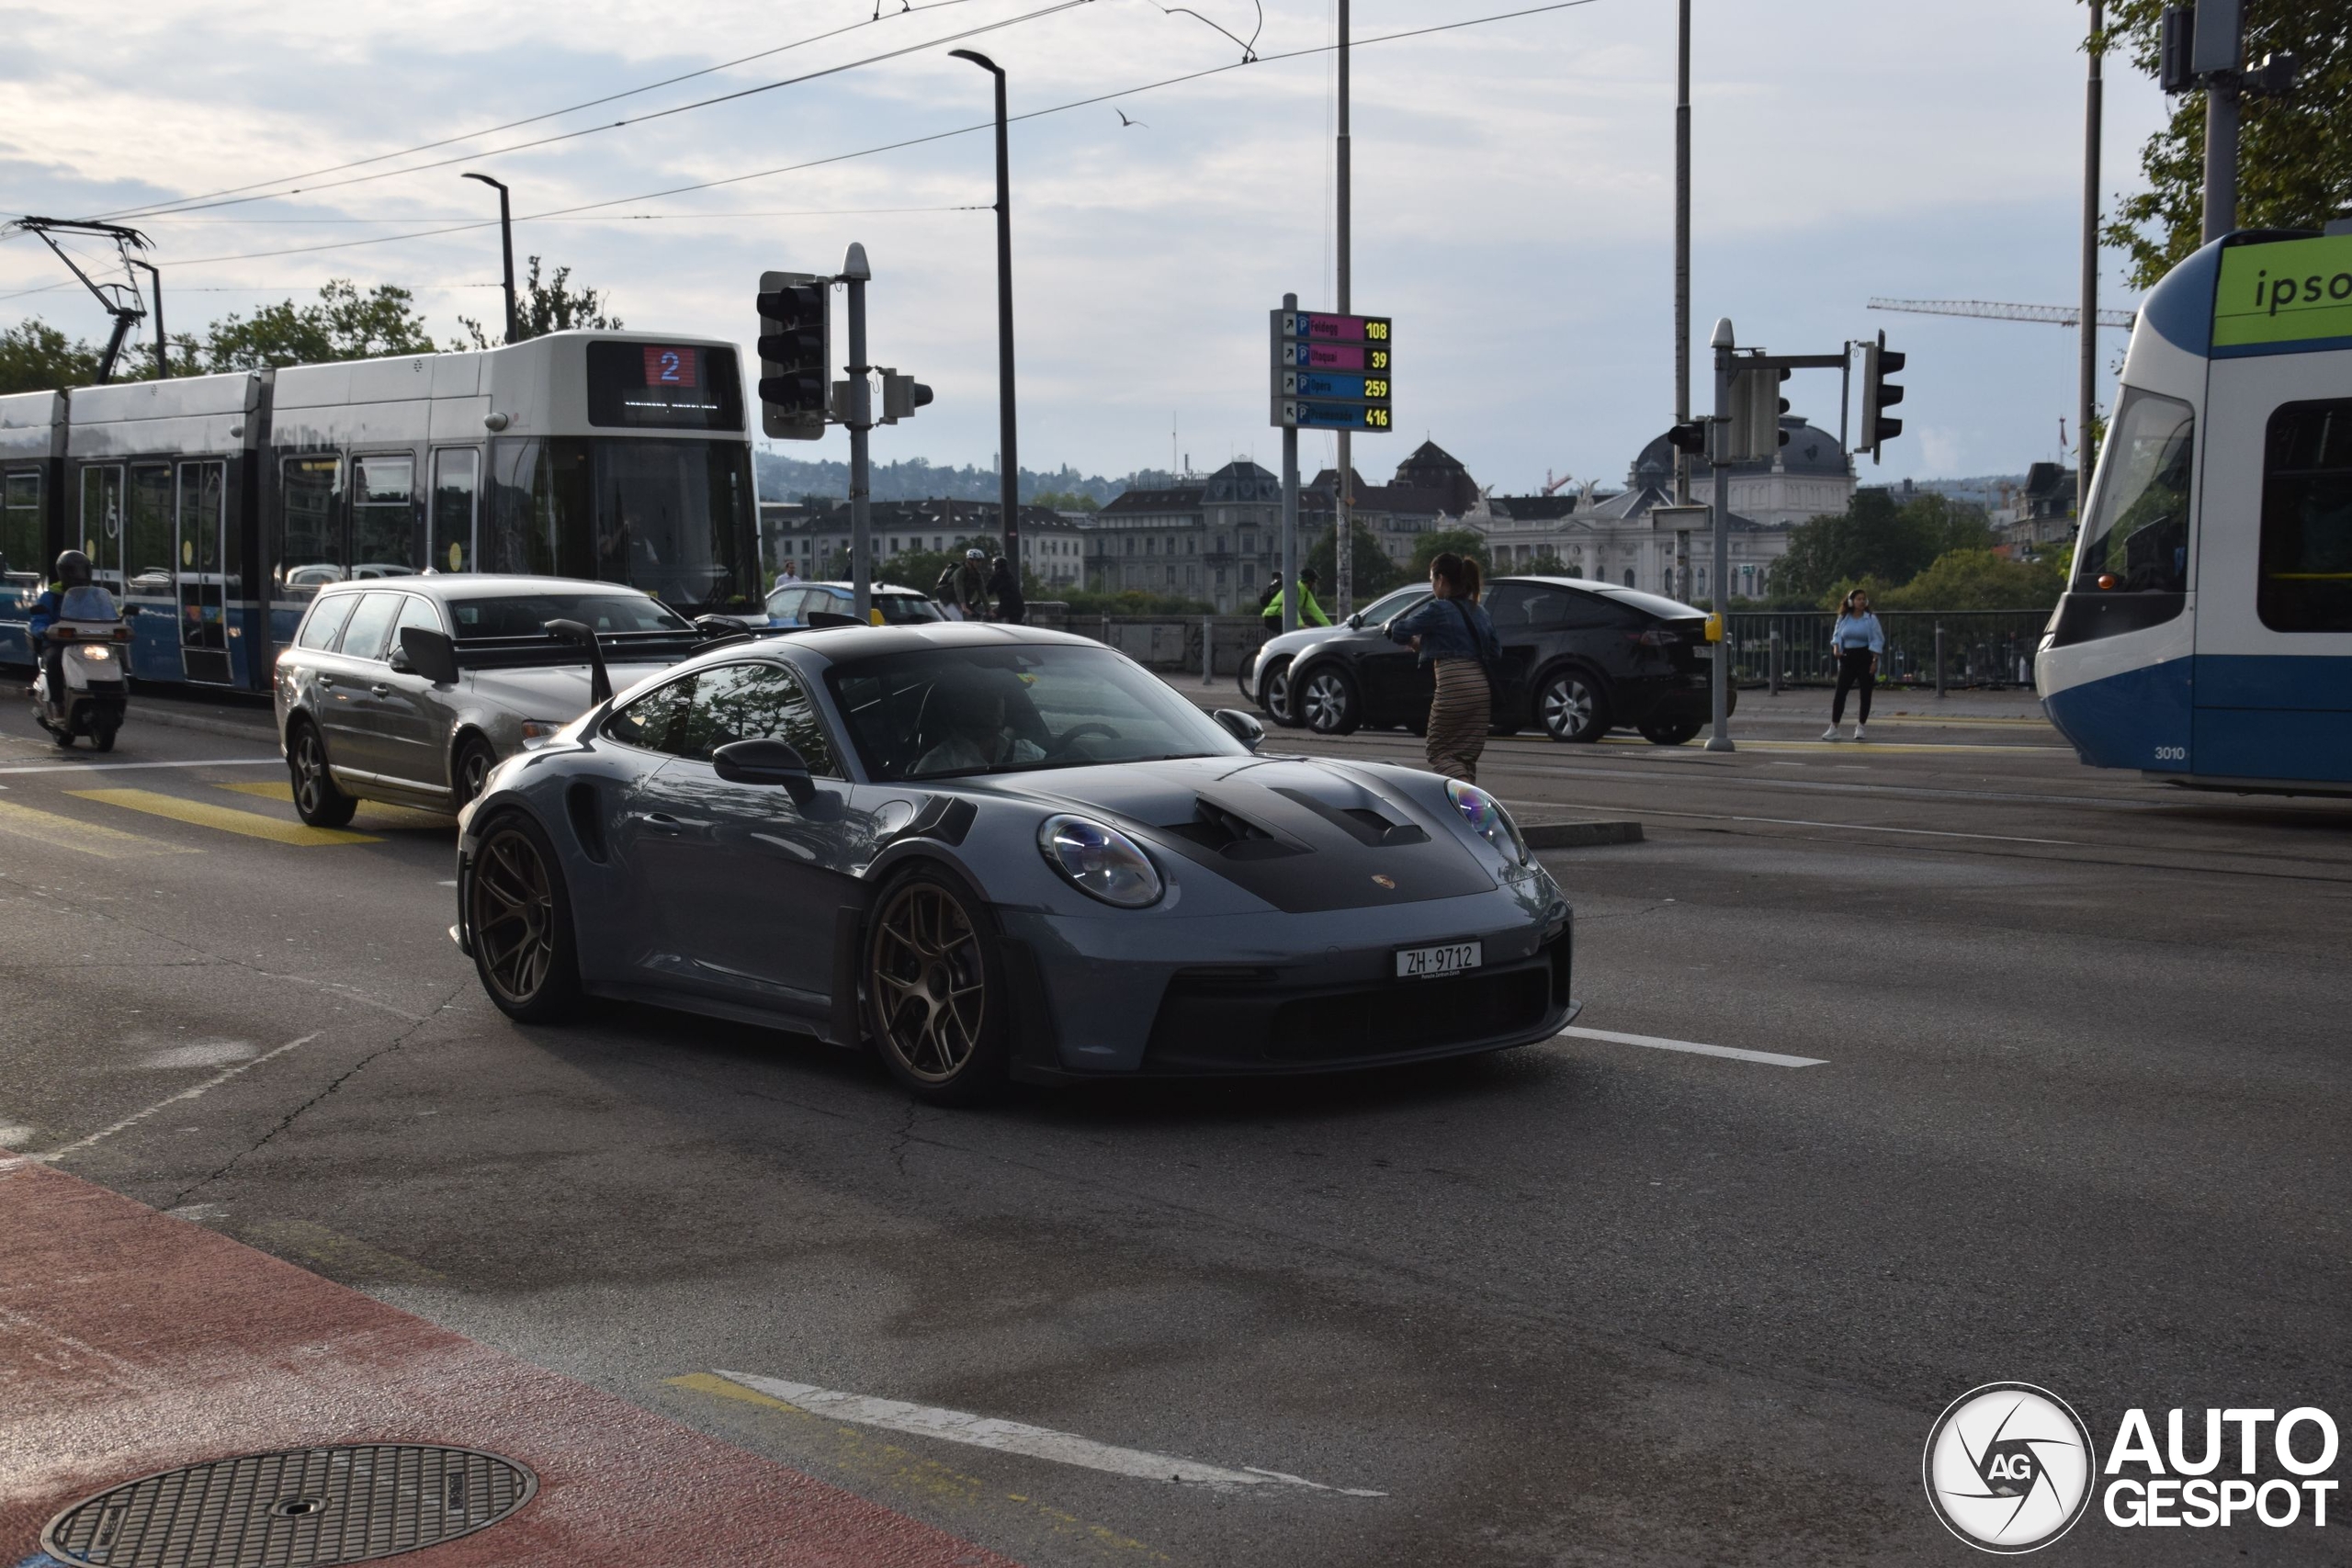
[401, 709]
[343, 675]
[1524, 614]
[751, 880]
[635, 830]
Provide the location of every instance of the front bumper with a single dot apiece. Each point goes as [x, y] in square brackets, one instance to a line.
[1294, 994]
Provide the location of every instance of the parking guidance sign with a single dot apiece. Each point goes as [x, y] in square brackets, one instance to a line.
[1330, 372]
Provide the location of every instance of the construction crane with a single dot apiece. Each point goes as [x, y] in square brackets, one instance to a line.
[1551, 484]
[1993, 309]
[120, 300]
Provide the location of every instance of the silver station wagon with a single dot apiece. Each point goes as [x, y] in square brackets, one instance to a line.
[409, 690]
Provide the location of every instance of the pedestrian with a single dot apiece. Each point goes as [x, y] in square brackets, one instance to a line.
[1859, 640]
[1456, 640]
[1005, 584]
[1310, 613]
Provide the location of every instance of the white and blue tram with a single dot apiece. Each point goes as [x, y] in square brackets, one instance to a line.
[215, 506]
[2205, 638]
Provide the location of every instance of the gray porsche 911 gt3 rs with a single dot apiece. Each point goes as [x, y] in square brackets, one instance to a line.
[992, 850]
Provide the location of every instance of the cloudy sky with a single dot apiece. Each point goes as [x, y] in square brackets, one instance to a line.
[1513, 194]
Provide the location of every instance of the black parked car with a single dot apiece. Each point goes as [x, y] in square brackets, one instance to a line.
[1579, 659]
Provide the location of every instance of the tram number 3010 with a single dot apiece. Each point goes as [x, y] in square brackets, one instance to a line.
[2172, 753]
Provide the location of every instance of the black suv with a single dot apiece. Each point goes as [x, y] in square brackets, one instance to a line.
[1579, 659]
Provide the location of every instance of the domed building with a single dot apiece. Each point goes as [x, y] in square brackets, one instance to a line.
[1811, 477]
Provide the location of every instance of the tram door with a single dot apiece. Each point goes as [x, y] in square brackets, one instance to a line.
[201, 573]
[101, 531]
[2273, 591]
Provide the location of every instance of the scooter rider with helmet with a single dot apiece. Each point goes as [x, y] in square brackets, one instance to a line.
[73, 571]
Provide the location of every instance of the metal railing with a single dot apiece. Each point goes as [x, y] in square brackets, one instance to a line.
[1938, 648]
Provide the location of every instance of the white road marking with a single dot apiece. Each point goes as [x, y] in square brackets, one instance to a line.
[11, 1137]
[1013, 1437]
[1859, 827]
[209, 1053]
[136, 1117]
[116, 767]
[1770, 1058]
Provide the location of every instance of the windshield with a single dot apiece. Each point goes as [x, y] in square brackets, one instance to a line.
[939, 713]
[2137, 536]
[87, 603]
[527, 615]
[672, 517]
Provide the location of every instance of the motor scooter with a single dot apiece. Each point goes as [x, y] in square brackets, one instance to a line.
[82, 686]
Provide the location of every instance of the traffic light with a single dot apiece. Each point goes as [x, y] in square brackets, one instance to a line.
[1756, 410]
[901, 395]
[795, 353]
[1690, 438]
[1879, 394]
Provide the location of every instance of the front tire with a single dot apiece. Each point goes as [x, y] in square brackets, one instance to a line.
[1275, 697]
[518, 920]
[1329, 702]
[936, 994]
[1573, 706]
[317, 801]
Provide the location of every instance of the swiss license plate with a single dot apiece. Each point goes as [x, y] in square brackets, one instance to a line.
[1446, 958]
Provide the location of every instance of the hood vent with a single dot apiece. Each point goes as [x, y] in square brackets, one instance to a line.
[1230, 834]
[1361, 823]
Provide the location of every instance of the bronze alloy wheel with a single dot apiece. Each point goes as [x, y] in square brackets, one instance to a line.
[927, 976]
[512, 915]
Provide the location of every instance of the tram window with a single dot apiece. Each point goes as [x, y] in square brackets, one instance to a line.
[672, 517]
[2137, 538]
[101, 510]
[383, 517]
[452, 547]
[310, 551]
[325, 620]
[2306, 583]
[20, 540]
[372, 626]
[148, 550]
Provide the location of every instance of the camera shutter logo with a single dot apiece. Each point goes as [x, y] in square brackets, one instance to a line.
[2008, 1467]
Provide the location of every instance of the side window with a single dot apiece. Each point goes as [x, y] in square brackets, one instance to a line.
[754, 702]
[310, 551]
[383, 517]
[325, 620]
[785, 604]
[21, 529]
[2305, 581]
[414, 612]
[650, 721]
[372, 626]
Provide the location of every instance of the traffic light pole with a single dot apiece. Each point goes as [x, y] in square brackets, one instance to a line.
[1288, 598]
[857, 413]
[1343, 552]
[1719, 460]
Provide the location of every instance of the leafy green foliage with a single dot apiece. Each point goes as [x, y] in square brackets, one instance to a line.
[1453, 541]
[1374, 572]
[36, 358]
[344, 324]
[1066, 500]
[1965, 580]
[549, 305]
[1127, 602]
[2294, 160]
[1876, 540]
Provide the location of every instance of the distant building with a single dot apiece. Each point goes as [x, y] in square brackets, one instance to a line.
[2040, 512]
[815, 543]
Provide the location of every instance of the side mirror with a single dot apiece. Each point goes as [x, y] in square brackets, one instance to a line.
[765, 762]
[714, 628]
[1241, 727]
[428, 652]
[1355, 622]
[600, 681]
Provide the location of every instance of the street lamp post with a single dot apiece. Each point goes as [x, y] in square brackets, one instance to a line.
[506, 243]
[1008, 457]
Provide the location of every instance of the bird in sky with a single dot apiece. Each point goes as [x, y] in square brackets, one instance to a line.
[1124, 120]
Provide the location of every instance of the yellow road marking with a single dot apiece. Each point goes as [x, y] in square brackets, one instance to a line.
[389, 815]
[89, 837]
[253, 824]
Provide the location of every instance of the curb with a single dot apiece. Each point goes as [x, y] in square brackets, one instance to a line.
[1578, 835]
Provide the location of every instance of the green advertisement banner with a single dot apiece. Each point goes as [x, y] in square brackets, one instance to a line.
[2292, 291]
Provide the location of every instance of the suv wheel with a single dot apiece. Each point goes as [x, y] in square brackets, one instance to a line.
[1327, 699]
[1276, 700]
[1572, 706]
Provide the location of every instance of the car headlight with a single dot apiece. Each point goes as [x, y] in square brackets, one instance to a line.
[538, 732]
[1100, 862]
[1487, 819]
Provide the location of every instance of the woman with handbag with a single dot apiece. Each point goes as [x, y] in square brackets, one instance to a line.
[1455, 637]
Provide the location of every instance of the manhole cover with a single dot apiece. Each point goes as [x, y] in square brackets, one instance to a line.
[301, 1508]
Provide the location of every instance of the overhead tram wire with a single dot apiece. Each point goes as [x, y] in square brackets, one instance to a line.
[566, 212]
[182, 203]
[650, 114]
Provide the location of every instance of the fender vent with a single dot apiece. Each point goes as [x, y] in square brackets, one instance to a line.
[587, 819]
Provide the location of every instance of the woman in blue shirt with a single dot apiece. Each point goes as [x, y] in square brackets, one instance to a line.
[1859, 640]
[1457, 641]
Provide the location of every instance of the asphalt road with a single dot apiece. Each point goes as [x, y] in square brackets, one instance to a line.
[2079, 1119]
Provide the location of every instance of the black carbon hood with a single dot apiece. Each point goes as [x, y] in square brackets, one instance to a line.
[1302, 836]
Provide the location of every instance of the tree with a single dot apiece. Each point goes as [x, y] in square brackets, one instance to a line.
[1374, 572]
[551, 305]
[1876, 539]
[344, 324]
[2294, 160]
[36, 358]
[1065, 500]
[1454, 541]
[1546, 564]
[1975, 579]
